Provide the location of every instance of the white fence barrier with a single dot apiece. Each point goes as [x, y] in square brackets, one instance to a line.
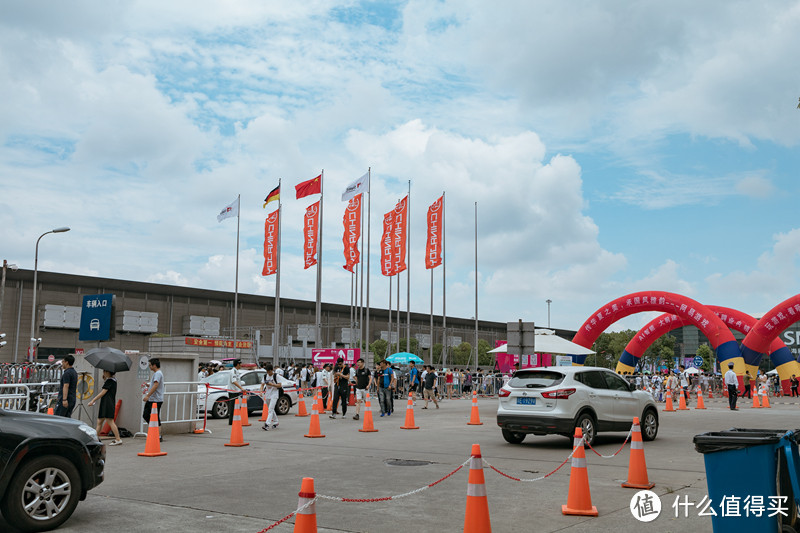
[181, 405]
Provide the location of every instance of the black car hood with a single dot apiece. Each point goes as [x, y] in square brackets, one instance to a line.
[26, 424]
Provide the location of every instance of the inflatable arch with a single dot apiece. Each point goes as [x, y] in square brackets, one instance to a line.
[781, 356]
[762, 335]
[693, 312]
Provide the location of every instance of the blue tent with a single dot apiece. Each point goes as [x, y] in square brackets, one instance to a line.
[403, 358]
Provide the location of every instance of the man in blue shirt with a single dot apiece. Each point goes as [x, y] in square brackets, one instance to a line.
[386, 385]
[67, 392]
[413, 379]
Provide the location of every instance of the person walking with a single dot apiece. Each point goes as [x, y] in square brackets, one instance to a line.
[448, 380]
[364, 381]
[684, 383]
[108, 400]
[271, 389]
[154, 394]
[324, 383]
[413, 379]
[732, 382]
[386, 384]
[430, 383]
[794, 382]
[236, 383]
[68, 388]
[747, 390]
[341, 387]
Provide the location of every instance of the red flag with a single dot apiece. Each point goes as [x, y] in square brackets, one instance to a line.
[433, 246]
[352, 232]
[387, 249]
[310, 232]
[312, 186]
[399, 235]
[271, 229]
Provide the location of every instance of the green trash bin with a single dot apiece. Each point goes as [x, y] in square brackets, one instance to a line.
[749, 464]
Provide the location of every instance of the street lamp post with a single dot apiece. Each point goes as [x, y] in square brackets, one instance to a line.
[549, 301]
[35, 273]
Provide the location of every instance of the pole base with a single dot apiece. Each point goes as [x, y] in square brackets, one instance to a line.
[159, 454]
[643, 486]
[237, 445]
[579, 512]
[313, 436]
[369, 430]
[409, 427]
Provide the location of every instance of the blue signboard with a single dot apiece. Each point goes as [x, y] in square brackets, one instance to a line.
[698, 361]
[96, 313]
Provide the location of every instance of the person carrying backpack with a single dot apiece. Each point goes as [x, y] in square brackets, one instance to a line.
[271, 389]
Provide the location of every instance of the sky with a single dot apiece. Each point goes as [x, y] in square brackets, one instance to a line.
[611, 147]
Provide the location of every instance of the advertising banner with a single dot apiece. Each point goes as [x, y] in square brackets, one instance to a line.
[352, 233]
[310, 232]
[271, 228]
[387, 248]
[433, 244]
[399, 234]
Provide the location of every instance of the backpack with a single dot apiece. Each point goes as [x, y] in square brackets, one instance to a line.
[312, 379]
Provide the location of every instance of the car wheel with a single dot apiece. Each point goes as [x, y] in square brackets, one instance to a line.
[283, 405]
[220, 409]
[42, 494]
[587, 424]
[512, 437]
[649, 425]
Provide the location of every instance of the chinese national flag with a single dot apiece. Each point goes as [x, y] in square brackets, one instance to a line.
[399, 235]
[352, 233]
[433, 245]
[306, 188]
[271, 244]
[310, 232]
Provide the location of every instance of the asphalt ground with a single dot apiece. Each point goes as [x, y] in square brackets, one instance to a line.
[201, 485]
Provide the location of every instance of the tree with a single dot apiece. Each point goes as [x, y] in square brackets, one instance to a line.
[437, 353]
[609, 347]
[484, 357]
[460, 355]
[414, 346]
[378, 348]
[662, 349]
[707, 354]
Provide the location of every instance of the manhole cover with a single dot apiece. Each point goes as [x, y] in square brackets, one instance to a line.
[407, 462]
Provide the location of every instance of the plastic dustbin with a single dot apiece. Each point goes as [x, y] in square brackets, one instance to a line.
[752, 462]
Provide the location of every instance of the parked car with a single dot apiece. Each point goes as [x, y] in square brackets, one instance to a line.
[557, 399]
[47, 464]
[251, 381]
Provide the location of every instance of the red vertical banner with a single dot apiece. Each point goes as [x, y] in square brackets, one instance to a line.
[387, 248]
[310, 232]
[399, 233]
[433, 245]
[271, 228]
[352, 233]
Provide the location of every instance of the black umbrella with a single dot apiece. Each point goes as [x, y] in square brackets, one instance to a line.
[109, 359]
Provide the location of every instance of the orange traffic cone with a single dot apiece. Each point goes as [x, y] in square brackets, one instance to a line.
[637, 468]
[765, 401]
[700, 403]
[579, 498]
[669, 406]
[410, 414]
[476, 517]
[710, 394]
[50, 411]
[306, 521]
[237, 437]
[475, 416]
[724, 391]
[243, 407]
[682, 402]
[152, 447]
[264, 409]
[301, 407]
[351, 401]
[756, 403]
[368, 426]
[313, 426]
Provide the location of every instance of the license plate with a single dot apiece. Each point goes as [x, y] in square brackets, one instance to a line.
[526, 401]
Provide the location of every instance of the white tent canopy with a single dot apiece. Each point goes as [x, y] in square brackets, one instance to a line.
[546, 341]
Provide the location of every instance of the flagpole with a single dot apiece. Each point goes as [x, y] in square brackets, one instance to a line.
[398, 311]
[236, 290]
[408, 272]
[351, 309]
[361, 291]
[444, 286]
[367, 359]
[430, 344]
[318, 339]
[276, 334]
[476, 284]
[389, 345]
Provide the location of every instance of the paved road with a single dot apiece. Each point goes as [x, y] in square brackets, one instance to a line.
[202, 485]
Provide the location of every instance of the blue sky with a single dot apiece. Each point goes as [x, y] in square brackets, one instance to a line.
[611, 147]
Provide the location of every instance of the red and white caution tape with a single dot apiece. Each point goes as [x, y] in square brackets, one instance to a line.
[287, 517]
[536, 478]
[615, 453]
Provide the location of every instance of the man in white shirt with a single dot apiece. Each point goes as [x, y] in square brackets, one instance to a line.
[271, 389]
[236, 383]
[732, 382]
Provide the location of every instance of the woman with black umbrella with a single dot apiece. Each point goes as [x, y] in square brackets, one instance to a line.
[107, 397]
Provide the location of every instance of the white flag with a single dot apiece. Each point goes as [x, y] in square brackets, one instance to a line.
[356, 188]
[230, 210]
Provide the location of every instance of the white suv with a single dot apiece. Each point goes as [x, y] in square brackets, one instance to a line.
[251, 381]
[557, 399]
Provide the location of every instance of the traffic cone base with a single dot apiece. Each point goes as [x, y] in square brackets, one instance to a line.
[410, 424]
[476, 515]
[579, 498]
[152, 446]
[669, 407]
[637, 467]
[369, 426]
[306, 520]
[475, 415]
[237, 437]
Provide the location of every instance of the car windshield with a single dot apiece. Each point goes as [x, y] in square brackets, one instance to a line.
[537, 379]
[220, 378]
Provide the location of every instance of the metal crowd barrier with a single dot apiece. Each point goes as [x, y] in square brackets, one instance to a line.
[29, 373]
[180, 405]
[14, 397]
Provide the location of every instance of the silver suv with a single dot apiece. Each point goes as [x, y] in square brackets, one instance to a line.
[557, 399]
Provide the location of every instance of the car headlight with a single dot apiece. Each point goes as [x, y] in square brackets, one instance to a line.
[89, 431]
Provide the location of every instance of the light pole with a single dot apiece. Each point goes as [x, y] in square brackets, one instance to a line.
[549, 301]
[6, 266]
[35, 273]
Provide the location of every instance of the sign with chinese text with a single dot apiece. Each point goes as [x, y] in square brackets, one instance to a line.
[96, 313]
[216, 343]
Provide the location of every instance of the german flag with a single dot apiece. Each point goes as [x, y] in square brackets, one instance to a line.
[275, 194]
